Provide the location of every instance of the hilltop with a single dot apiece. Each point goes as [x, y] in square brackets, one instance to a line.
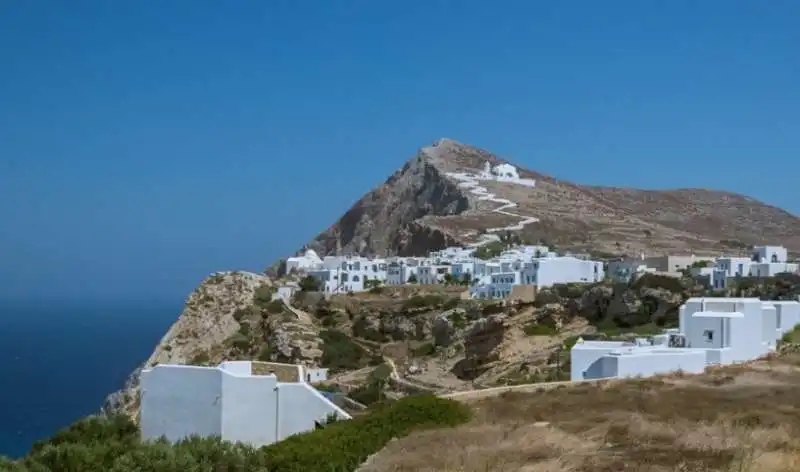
[421, 207]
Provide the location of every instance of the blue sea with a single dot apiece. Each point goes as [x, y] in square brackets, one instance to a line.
[58, 361]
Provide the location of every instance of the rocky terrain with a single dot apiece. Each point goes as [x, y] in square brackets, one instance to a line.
[420, 208]
[392, 341]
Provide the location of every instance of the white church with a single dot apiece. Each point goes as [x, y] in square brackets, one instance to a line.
[504, 173]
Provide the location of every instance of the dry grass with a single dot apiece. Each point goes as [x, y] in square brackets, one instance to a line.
[740, 418]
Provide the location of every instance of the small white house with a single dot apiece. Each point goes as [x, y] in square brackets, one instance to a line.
[250, 402]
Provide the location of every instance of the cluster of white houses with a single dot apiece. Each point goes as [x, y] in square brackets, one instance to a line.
[525, 266]
[763, 261]
[712, 331]
[494, 278]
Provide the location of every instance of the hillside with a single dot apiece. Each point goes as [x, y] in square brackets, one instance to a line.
[421, 207]
[392, 341]
[735, 418]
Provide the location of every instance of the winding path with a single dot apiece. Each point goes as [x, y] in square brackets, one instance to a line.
[472, 183]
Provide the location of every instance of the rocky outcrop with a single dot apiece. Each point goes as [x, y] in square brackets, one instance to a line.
[205, 323]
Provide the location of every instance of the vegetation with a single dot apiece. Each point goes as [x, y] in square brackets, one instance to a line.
[263, 295]
[539, 330]
[735, 418]
[113, 444]
[274, 307]
[423, 301]
[309, 284]
[339, 352]
[488, 251]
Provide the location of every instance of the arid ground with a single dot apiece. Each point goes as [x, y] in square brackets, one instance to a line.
[742, 418]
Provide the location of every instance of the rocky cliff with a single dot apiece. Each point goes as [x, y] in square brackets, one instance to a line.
[422, 208]
[230, 315]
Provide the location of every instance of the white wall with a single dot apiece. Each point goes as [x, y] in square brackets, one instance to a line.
[585, 358]
[300, 405]
[656, 362]
[249, 409]
[178, 401]
[788, 314]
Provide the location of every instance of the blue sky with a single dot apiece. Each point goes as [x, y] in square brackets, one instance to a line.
[146, 144]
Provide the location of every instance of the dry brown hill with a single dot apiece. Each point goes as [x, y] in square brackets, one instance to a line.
[420, 208]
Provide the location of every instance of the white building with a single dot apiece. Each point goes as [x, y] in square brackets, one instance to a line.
[348, 273]
[238, 401]
[504, 173]
[713, 331]
[497, 280]
[309, 260]
[765, 261]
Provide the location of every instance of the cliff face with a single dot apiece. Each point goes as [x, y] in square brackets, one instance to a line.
[206, 322]
[386, 218]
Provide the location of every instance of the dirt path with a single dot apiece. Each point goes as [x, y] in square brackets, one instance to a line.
[472, 182]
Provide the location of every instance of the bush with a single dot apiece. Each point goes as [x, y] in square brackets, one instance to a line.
[657, 281]
[539, 330]
[423, 301]
[339, 352]
[427, 349]
[309, 284]
[262, 295]
[274, 307]
[368, 394]
[345, 445]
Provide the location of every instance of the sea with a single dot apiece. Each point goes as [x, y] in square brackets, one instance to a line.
[58, 361]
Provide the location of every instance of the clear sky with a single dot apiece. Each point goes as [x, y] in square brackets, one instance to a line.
[144, 145]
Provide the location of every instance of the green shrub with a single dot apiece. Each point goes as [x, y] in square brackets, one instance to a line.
[451, 303]
[262, 295]
[539, 330]
[368, 394]
[274, 307]
[427, 349]
[458, 320]
[665, 282]
[201, 358]
[345, 445]
[339, 352]
[423, 301]
[493, 308]
[265, 353]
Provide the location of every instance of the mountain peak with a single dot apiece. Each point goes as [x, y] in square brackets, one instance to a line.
[427, 205]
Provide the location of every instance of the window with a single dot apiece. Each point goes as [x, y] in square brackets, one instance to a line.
[709, 335]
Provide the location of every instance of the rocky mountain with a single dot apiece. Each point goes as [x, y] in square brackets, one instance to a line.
[422, 207]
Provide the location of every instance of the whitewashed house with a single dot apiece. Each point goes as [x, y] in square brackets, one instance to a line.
[765, 261]
[541, 272]
[349, 273]
[713, 331]
[242, 401]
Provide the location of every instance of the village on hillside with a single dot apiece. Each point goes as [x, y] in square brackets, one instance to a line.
[264, 402]
[494, 271]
